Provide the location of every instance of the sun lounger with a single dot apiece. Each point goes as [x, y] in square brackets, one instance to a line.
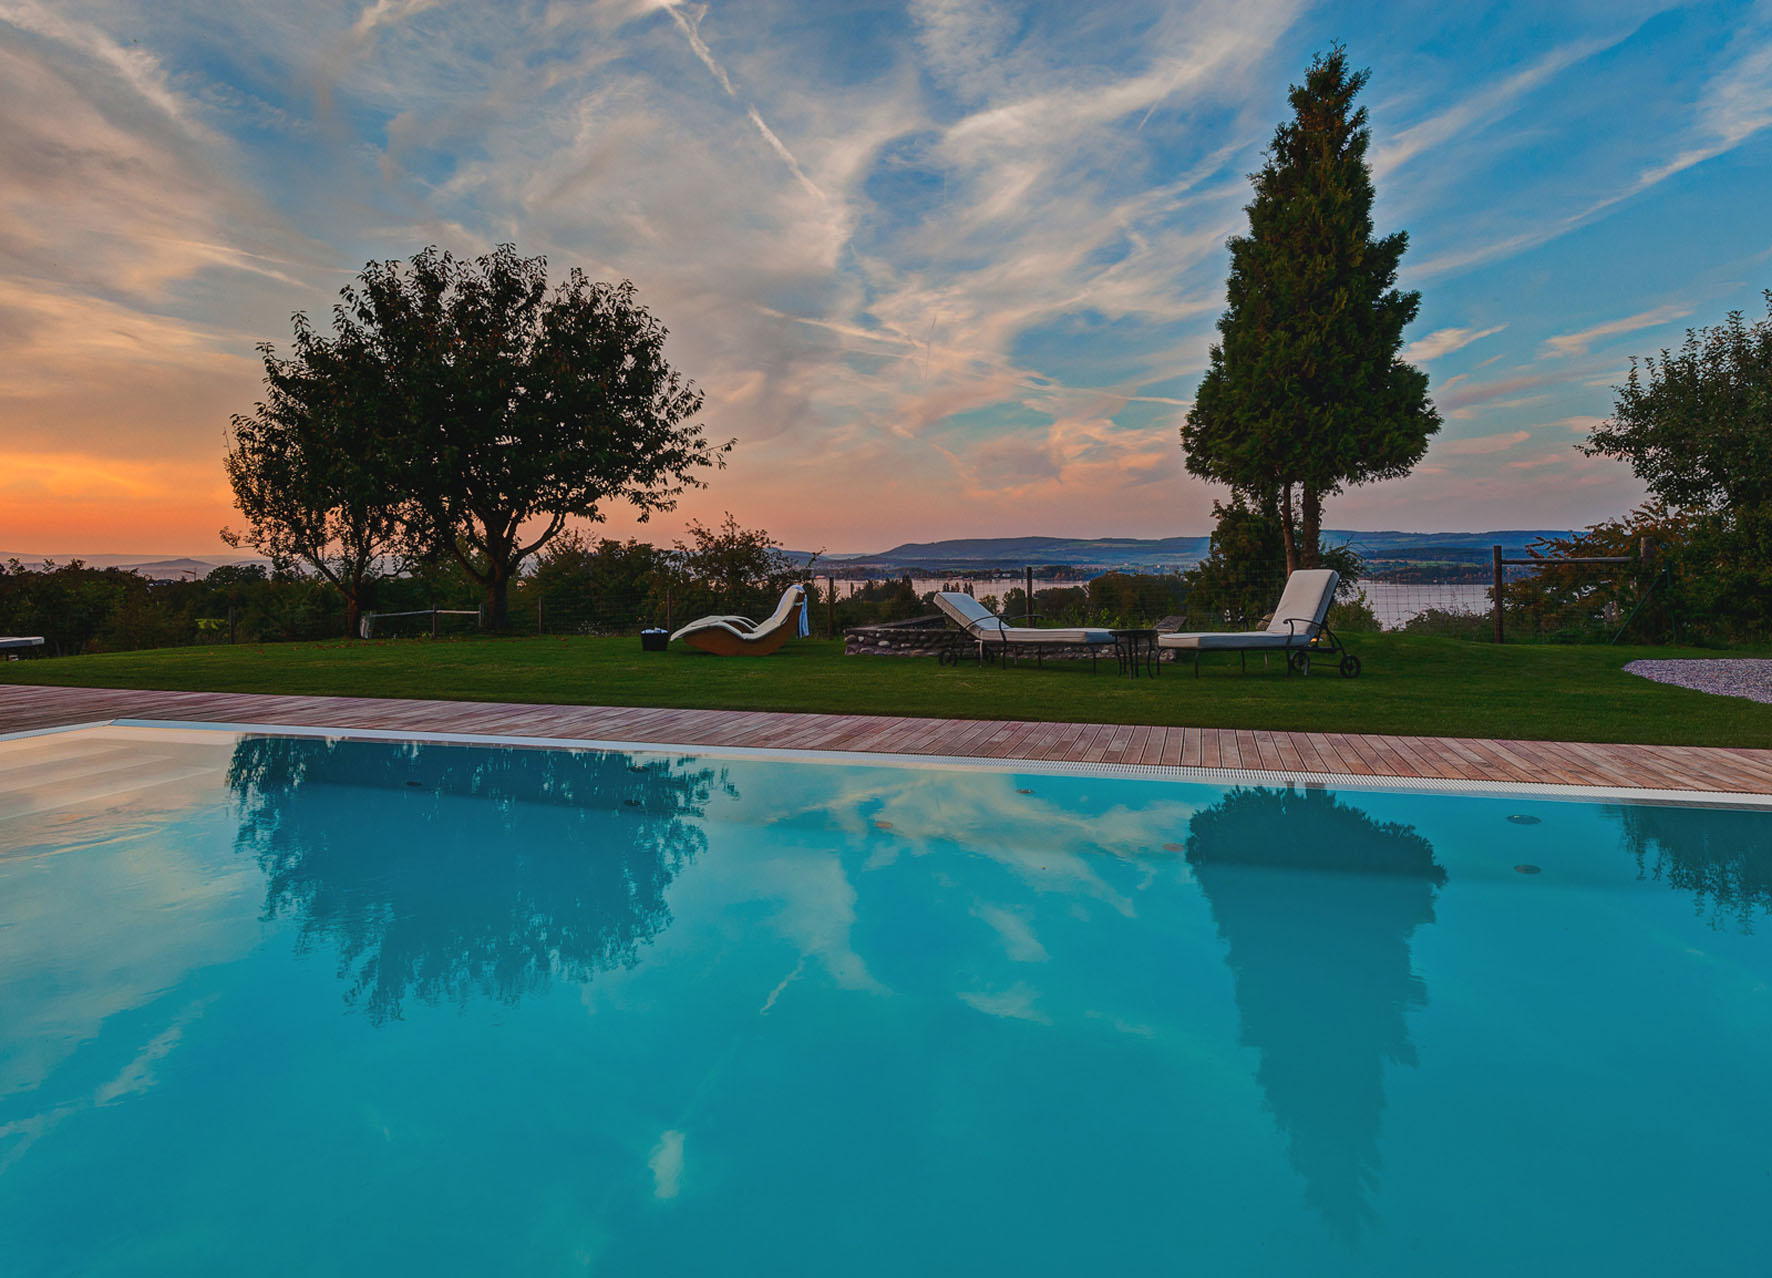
[995, 636]
[742, 637]
[1298, 629]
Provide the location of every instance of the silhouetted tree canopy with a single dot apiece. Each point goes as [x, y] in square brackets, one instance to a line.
[311, 467]
[1696, 425]
[1307, 391]
[505, 407]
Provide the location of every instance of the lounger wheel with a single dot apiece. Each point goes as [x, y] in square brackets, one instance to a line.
[1300, 661]
[1350, 666]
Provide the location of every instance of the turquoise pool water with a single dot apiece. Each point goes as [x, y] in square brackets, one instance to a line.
[297, 1006]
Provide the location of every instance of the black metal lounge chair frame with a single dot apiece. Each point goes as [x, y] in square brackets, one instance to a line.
[1003, 650]
[1298, 658]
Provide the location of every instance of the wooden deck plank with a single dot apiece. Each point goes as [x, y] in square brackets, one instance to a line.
[1721, 769]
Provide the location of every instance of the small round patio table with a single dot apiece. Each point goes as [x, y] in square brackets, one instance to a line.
[1135, 649]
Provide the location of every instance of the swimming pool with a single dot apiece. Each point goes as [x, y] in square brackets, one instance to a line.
[296, 1004]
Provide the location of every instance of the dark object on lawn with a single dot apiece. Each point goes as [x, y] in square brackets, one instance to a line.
[654, 640]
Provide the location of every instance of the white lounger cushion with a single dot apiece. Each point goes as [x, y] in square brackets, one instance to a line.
[747, 629]
[1028, 634]
[1307, 597]
[979, 622]
[1206, 641]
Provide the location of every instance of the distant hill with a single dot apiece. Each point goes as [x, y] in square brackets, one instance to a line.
[163, 568]
[1169, 553]
[998, 554]
[982, 553]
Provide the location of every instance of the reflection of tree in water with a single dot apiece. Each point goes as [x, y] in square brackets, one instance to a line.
[1722, 856]
[462, 870]
[1316, 903]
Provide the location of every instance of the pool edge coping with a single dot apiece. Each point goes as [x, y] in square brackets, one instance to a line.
[981, 763]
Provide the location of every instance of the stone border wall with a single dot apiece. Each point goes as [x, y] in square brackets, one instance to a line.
[918, 637]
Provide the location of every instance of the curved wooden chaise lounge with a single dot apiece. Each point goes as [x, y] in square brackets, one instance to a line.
[742, 637]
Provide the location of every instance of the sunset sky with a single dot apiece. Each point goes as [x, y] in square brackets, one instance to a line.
[944, 268]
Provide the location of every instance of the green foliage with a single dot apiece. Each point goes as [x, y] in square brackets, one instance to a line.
[1698, 430]
[1238, 583]
[870, 603]
[733, 567]
[1306, 390]
[79, 609]
[311, 470]
[603, 587]
[1443, 624]
[1707, 577]
[1353, 615]
[1696, 427]
[507, 407]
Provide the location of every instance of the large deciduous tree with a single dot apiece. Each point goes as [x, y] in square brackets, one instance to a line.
[1696, 425]
[1306, 391]
[310, 467]
[516, 407]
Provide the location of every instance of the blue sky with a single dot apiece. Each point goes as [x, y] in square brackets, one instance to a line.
[944, 268]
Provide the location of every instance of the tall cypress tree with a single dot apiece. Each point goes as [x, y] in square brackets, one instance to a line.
[1306, 392]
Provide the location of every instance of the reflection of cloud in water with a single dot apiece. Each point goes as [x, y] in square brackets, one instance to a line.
[1049, 845]
[447, 871]
[135, 1078]
[1015, 1003]
[1019, 941]
[1722, 857]
[108, 900]
[1316, 904]
[815, 913]
[666, 1164]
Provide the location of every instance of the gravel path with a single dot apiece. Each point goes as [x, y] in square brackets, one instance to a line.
[1727, 677]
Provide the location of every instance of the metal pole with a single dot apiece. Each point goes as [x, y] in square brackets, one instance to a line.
[830, 601]
[231, 638]
[433, 618]
[668, 625]
[538, 618]
[1498, 583]
[1030, 594]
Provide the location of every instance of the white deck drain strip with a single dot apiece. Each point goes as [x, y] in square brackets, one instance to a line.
[1025, 767]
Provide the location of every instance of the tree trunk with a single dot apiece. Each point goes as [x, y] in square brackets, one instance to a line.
[1285, 513]
[353, 615]
[498, 582]
[1312, 531]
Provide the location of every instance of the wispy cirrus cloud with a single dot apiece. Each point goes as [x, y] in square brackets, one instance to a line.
[1443, 341]
[1579, 343]
[1482, 445]
[961, 255]
[1481, 110]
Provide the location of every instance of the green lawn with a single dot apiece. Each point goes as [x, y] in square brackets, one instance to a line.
[1411, 685]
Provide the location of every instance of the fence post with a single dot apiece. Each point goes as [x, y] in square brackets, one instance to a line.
[538, 617]
[231, 623]
[668, 625]
[1498, 585]
[830, 607]
[1029, 577]
[433, 618]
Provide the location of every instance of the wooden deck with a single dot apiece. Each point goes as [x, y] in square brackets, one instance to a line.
[1444, 758]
